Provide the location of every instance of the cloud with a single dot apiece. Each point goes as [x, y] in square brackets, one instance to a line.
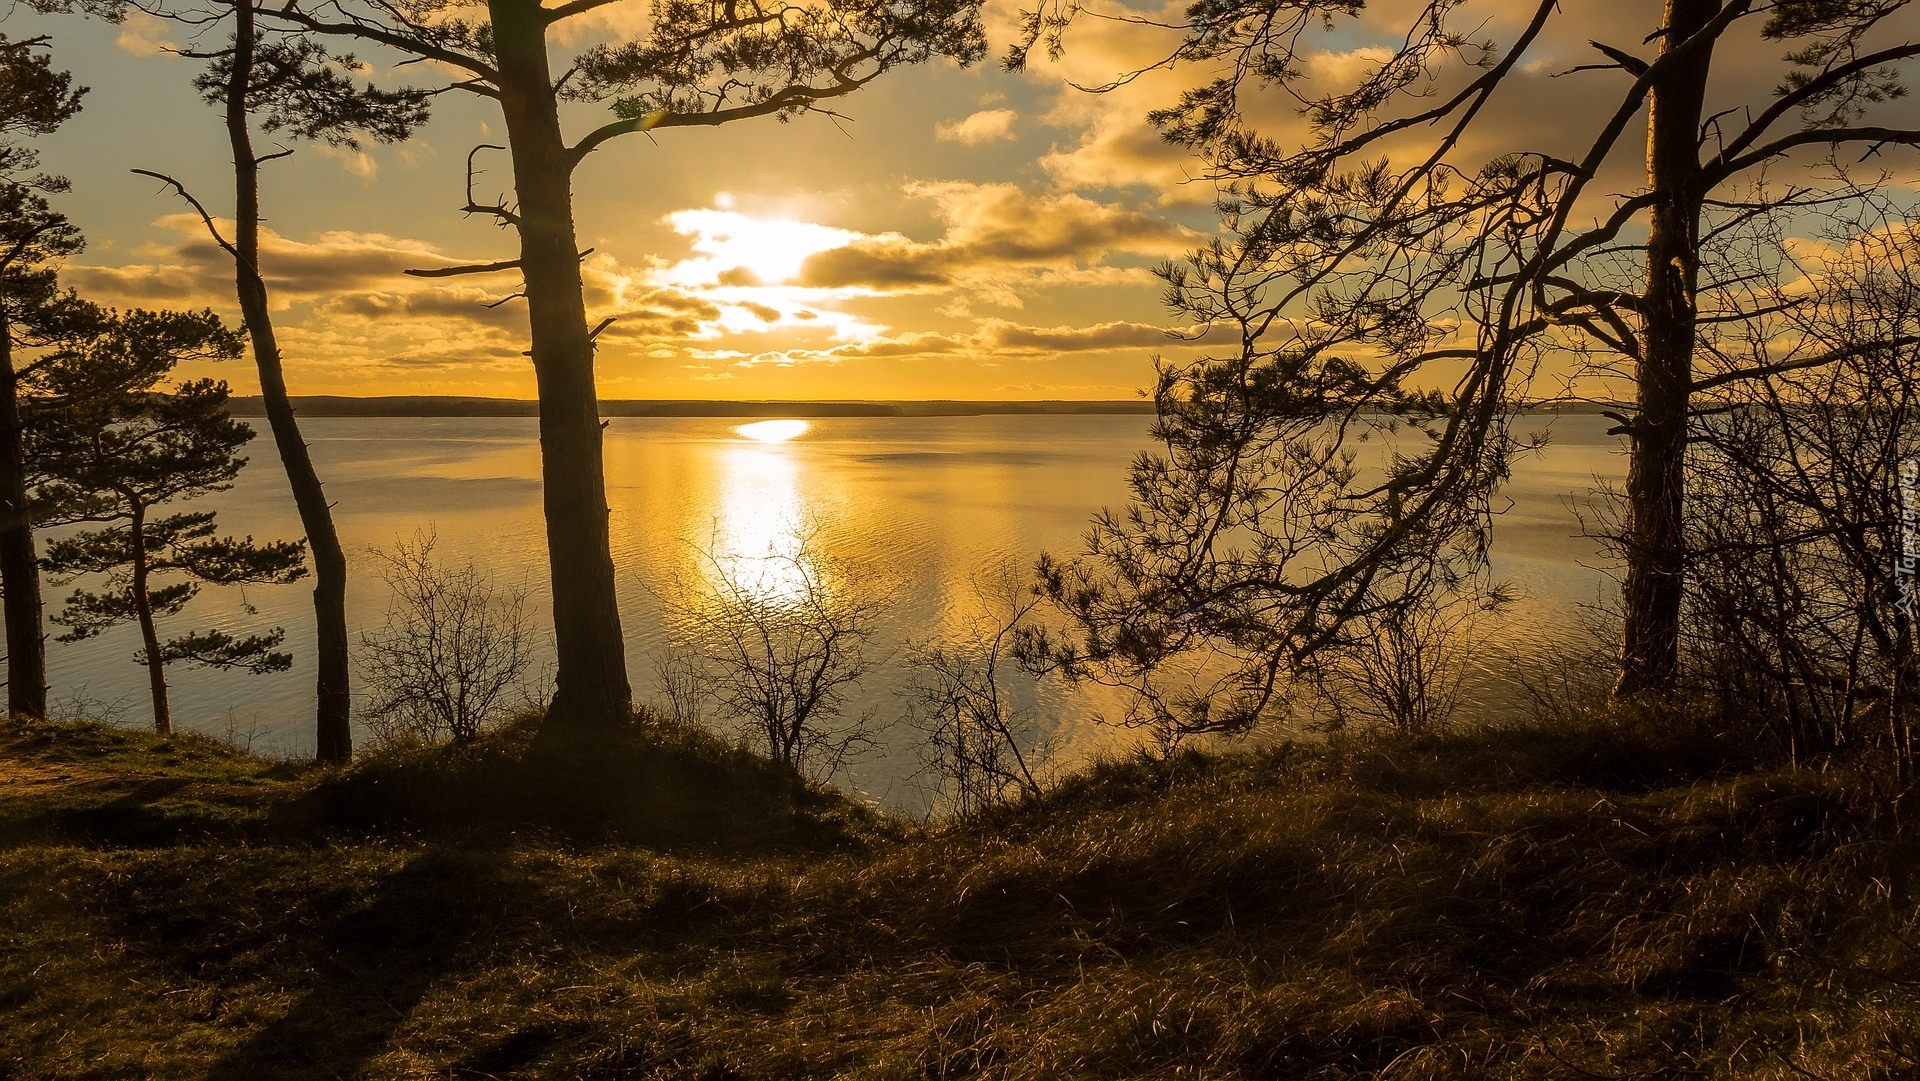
[1337, 68]
[195, 270]
[1077, 390]
[986, 126]
[349, 315]
[1119, 149]
[1108, 143]
[994, 340]
[790, 281]
[1543, 105]
[345, 305]
[142, 34]
[663, 314]
[357, 162]
[467, 305]
[1002, 336]
[994, 231]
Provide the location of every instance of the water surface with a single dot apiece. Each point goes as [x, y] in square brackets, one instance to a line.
[914, 507]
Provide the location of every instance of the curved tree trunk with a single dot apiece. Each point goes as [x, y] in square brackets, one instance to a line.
[333, 701]
[591, 682]
[1656, 481]
[19, 563]
[149, 635]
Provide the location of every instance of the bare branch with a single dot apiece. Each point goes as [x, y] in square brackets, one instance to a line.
[1724, 168]
[499, 209]
[205, 217]
[371, 31]
[793, 97]
[576, 7]
[1835, 356]
[470, 268]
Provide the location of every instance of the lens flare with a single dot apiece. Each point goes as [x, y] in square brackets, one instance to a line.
[773, 431]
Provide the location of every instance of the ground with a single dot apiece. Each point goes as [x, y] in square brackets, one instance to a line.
[1603, 902]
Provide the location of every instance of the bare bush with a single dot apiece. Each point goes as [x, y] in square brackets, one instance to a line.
[81, 705]
[1403, 667]
[979, 746]
[1565, 682]
[779, 638]
[453, 650]
[683, 683]
[1795, 527]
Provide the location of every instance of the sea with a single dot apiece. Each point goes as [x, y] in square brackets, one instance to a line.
[926, 517]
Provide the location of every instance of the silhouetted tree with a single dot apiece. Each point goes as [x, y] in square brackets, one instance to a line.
[114, 450]
[700, 64]
[294, 85]
[35, 99]
[1385, 250]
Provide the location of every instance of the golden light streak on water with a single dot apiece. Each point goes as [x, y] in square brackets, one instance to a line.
[773, 431]
[759, 546]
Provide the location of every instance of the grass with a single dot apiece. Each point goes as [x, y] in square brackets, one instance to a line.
[1519, 904]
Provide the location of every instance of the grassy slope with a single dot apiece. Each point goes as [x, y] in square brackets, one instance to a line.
[1512, 905]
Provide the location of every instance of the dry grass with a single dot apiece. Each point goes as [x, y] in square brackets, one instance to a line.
[1599, 903]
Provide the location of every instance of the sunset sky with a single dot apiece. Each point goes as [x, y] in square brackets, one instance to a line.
[967, 233]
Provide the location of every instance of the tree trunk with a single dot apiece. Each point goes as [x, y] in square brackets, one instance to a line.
[19, 564]
[591, 682]
[332, 692]
[149, 637]
[1655, 541]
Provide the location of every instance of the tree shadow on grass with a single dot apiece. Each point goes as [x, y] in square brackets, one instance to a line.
[126, 812]
[374, 966]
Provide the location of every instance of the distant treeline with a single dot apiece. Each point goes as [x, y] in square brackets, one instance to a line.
[334, 405]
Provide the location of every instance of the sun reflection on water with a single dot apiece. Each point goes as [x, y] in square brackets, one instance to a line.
[773, 431]
[760, 547]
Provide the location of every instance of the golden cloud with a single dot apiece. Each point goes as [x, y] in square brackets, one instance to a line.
[995, 339]
[985, 126]
[994, 231]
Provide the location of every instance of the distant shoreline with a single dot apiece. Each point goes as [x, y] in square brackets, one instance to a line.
[335, 405]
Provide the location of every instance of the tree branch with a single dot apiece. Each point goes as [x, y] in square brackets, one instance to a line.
[26, 241]
[366, 31]
[793, 97]
[204, 216]
[498, 210]
[1813, 137]
[468, 268]
[1818, 84]
[1765, 370]
[577, 7]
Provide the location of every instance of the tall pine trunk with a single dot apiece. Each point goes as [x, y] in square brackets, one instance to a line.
[333, 701]
[19, 564]
[149, 635]
[1656, 479]
[591, 682]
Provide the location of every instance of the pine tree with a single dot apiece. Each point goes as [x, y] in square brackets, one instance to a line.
[294, 86]
[1401, 271]
[698, 64]
[112, 448]
[35, 99]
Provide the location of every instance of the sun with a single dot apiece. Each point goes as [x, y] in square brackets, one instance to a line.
[770, 250]
[773, 431]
